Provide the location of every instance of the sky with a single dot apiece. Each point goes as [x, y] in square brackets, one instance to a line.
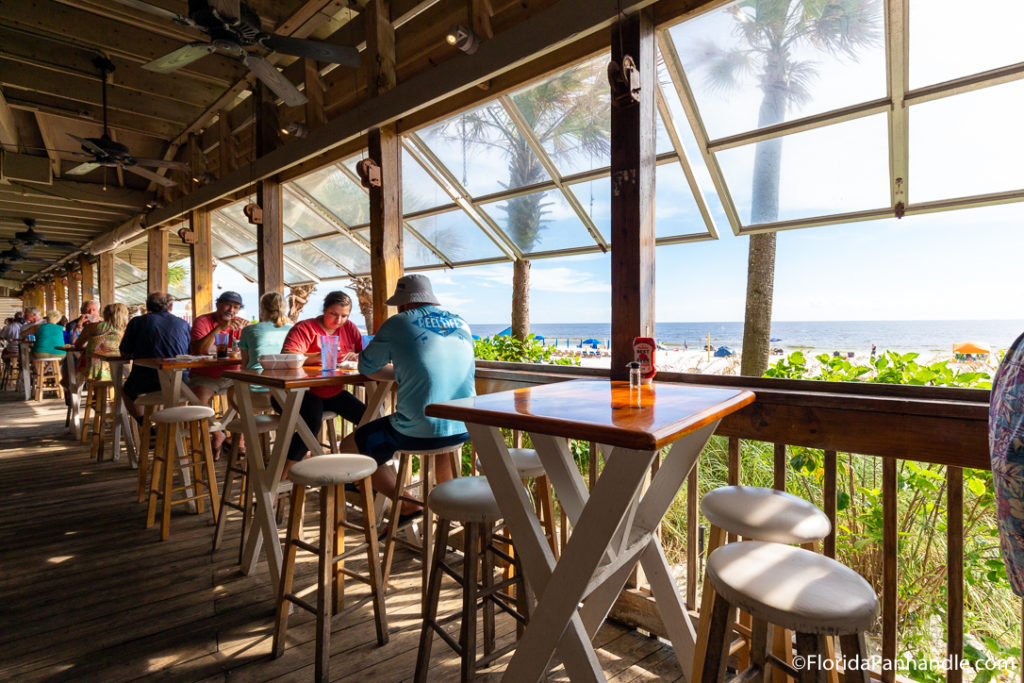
[951, 265]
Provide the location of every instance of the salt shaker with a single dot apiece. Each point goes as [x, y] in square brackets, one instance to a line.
[634, 375]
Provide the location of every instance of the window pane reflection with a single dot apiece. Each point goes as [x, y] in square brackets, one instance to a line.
[338, 194]
[542, 221]
[456, 236]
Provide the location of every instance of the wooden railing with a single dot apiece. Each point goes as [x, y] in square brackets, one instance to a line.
[946, 426]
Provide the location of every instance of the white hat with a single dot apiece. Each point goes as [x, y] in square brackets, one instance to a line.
[412, 289]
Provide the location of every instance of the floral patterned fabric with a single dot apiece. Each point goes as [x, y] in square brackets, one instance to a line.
[1006, 445]
[107, 339]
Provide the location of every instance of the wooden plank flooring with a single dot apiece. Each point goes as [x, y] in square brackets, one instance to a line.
[91, 595]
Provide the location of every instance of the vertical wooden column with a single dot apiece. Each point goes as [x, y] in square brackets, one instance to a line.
[270, 233]
[202, 263]
[88, 286]
[156, 261]
[106, 278]
[385, 150]
[60, 294]
[49, 303]
[632, 201]
[74, 298]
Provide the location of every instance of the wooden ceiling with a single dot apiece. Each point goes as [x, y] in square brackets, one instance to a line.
[202, 113]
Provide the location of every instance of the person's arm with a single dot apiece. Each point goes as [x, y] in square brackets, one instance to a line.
[30, 330]
[299, 341]
[88, 332]
[375, 359]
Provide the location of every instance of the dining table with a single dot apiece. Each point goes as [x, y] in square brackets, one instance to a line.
[171, 372]
[288, 387]
[74, 419]
[25, 359]
[615, 523]
[123, 425]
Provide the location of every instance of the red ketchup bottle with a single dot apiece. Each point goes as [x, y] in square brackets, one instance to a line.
[643, 353]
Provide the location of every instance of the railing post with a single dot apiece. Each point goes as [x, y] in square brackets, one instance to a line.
[780, 467]
[955, 572]
[890, 554]
[829, 501]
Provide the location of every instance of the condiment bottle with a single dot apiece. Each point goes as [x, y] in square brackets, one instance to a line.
[634, 374]
[643, 353]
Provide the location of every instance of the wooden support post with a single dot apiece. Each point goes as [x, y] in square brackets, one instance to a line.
[106, 278]
[385, 149]
[270, 233]
[227, 151]
[49, 294]
[632, 202]
[314, 96]
[202, 263]
[156, 261]
[89, 292]
[74, 293]
[60, 294]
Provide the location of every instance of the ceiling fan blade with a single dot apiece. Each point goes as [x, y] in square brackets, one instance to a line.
[88, 144]
[160, 163]
[149, 175]
[57, 244]
[313, 49]
[82, 169]
[158, 11]
[183, 56]
[274, 80]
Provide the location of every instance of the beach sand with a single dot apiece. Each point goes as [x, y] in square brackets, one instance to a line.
[693, 360]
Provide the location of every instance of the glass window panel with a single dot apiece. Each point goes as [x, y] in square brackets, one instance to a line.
[595, 197]
[542, 221]
[244, 266]
[313, 260]
[346, 252]
[220, 247]
[950, 39]
[824, 171]
[342, 197]
[235, 213]
[304, 220]
[569, 113]
[419, 190]
[456, 236]
[234, 236]
[293, 275]
[416, 254]
[662, 142]
[675, 210]
[726, 55]
[485, 151]
[951, 159]
[351, 162]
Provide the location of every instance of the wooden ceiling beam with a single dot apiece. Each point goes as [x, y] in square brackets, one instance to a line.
[80, 111]
[81, 192]
[12, 206]
[8, 129]
[79, 88]
[73, 26]
[49, 142]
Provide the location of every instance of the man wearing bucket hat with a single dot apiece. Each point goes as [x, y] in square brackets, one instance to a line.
[430, 352]
[207, 382]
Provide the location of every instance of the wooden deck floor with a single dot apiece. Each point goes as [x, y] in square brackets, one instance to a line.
[90, 594]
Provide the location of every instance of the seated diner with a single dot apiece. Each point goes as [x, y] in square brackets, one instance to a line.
[157, 334]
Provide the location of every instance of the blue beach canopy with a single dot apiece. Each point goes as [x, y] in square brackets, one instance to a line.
[723, 352]
[476, 337]
[507, 332]
[594, 343]
[538, 337]
[774, 339]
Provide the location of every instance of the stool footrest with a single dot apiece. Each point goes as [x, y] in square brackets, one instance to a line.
[291, 597]
[498, 653]
[308, 547]
[452, 643]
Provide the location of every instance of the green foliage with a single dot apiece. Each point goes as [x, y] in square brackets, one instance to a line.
[888, 368]
[512, 350]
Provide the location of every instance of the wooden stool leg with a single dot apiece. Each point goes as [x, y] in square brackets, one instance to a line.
[332, 434]
[373, 561]
[807, 645]
[174, 438]
[325, 571]
[428, 476]
[90, 393]
[96, 452]
[337, 577]
[855, 658]
[467, 634]
[758, 648]
[211, 470]
[145, 441]
[547, 506]
[719, 629]
[159, 461]
[715, 539]
[230, 474]
[193, 460]
[433, 596]
[287, 573]
[39, 380]
[486, 578]
[404, 465]
[58, 377]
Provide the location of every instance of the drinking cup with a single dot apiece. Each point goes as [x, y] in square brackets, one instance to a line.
[222, 340]
[329, 351]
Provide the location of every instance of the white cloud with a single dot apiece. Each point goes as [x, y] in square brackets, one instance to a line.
[565, 280]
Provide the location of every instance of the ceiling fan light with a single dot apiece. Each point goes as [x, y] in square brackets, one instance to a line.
[463, 38]
[295, 129]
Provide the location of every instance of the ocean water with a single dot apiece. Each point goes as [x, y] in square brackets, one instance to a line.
[843, 336]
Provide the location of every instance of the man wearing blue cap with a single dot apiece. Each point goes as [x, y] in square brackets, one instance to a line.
[207, 382]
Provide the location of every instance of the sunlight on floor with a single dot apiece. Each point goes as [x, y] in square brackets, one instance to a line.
[57, 559]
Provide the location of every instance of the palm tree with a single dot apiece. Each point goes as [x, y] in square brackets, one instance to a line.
[569, 115]
[771, 32]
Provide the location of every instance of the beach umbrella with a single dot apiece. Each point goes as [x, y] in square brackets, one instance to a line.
[538, 337]
[774, 339]
[476, 337]
[723, 352]
[971, 347]
[507, 332]
[593, 342]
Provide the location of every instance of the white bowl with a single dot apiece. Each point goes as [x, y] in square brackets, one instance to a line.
[282, 361]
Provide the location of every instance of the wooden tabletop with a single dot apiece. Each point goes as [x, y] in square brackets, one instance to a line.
[601, 411]
[308, 376]
[67, 347]
[180, 364]
[111, 357]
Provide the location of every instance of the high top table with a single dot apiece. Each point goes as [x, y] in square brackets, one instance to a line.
[614, 525]
[171, 372]
[124, 424]
[74, 396]
[288, 388]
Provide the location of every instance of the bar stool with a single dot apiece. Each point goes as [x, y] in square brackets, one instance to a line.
[330, 473]
[238, 468]
[759, 514]
[331, 421]
[11, 370]
[529, 467]
[468, 500]
[99, 400]
[426, 483]
[146, 439]
[169, 443]
[795, 589]
[42, 364]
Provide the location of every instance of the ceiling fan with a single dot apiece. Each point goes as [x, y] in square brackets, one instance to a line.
[30, 238]
[233, 27]
[107, 152]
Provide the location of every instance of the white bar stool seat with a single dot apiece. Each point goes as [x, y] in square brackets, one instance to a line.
[762, 514]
